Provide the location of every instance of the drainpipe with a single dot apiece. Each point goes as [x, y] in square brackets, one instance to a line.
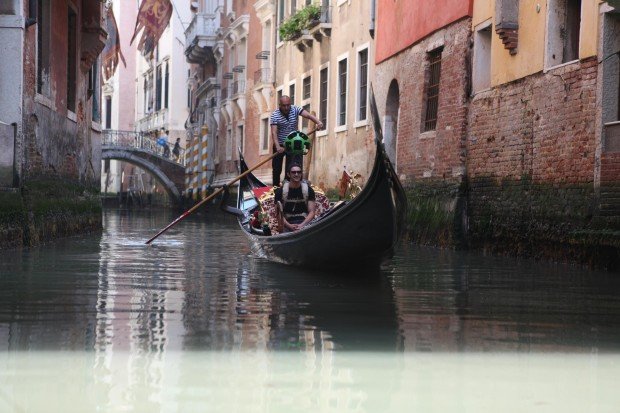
[373, 15]
[15, 164]
[275, 49]
[32, 13]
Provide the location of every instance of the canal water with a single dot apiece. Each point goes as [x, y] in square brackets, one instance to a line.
[193, 322]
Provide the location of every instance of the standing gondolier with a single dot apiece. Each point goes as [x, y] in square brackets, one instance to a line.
[283, 121]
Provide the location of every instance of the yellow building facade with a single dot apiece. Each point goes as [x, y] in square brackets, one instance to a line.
[535, 49]
[327, 70]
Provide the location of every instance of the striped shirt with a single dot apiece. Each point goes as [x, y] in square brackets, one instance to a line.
[286, 124]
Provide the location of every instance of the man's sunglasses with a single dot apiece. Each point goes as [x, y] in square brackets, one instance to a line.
[295, 172]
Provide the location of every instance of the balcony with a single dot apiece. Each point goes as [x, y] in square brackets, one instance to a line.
[323, 26]
[153, 121]
[262, 76]
[238, 87]
[201, 37]
[206, 86]
[304, 41]
[310, 24]
[263, 88]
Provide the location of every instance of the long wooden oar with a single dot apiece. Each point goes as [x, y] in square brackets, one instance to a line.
[214, 194]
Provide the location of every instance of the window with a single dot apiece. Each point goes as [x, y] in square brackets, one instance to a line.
[342, 92]
[43, 48]
[145, 89]
[229, 145]
[323, 95]
[611, 70]
[280, 17]
[611, 89]
[239, 143]
[148, 92]
[291, 93]
[71, 59]
[293, 7]
[481, 73]
[563, 25]
[307, 88]
[189, 93]
[108, 112]
[264, 141]
[166, 85]
[432, 90]
[158, 80]
[362, 84]
[94, 91]
[304, 121]
[279, 97]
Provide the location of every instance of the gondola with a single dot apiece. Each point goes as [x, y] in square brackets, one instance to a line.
[356, 234]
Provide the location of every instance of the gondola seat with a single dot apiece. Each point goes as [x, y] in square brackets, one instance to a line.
[268, 205]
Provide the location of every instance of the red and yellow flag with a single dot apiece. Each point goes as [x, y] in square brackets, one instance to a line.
[153, 17]
[345, 180]
[112, 49]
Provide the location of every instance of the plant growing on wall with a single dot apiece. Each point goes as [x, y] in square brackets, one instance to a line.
[304, 19]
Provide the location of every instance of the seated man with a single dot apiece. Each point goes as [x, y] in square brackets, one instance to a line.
[297, 199]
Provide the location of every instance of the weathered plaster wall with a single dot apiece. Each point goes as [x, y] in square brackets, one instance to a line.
[530, 56]
[252, 116]
[403, 23]
[349, 145]
[58, 152]
[11, 87]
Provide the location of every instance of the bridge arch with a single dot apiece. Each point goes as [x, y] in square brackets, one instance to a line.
[150, 163]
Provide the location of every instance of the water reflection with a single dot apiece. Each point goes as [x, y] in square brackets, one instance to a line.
[198, 288]
[104, 322]
[467, 302]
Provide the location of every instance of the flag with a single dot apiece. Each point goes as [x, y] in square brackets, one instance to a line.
[112, 49]
[345, 180]
[153, 17]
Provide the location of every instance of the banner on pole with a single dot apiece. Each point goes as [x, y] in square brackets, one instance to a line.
[153, 17]
[112, 50]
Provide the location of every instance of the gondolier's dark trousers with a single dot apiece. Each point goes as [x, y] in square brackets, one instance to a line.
[276, 164]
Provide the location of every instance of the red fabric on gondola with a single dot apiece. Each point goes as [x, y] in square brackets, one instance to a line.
[258, 192]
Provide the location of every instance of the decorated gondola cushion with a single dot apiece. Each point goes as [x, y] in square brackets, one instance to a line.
[268, 205]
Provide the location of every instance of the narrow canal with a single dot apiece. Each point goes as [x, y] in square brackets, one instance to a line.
[195, 323]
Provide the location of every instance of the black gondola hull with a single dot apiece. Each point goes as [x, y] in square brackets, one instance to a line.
[359, 234]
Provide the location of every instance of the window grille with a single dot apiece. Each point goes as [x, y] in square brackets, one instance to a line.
[432, 91]
[323, 97]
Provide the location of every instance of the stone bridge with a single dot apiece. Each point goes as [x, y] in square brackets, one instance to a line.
[140, 150]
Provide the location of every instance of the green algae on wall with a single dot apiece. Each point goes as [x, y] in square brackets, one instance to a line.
[540, 220]
[436, 213]
[46, 209]
[12, 219]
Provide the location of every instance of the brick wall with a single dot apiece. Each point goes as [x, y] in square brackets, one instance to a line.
[609, 212]
[541, 126]
[439, 153]
[431, 164]
[531, 167]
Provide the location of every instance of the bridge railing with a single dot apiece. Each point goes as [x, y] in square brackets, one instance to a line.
[141, 140]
